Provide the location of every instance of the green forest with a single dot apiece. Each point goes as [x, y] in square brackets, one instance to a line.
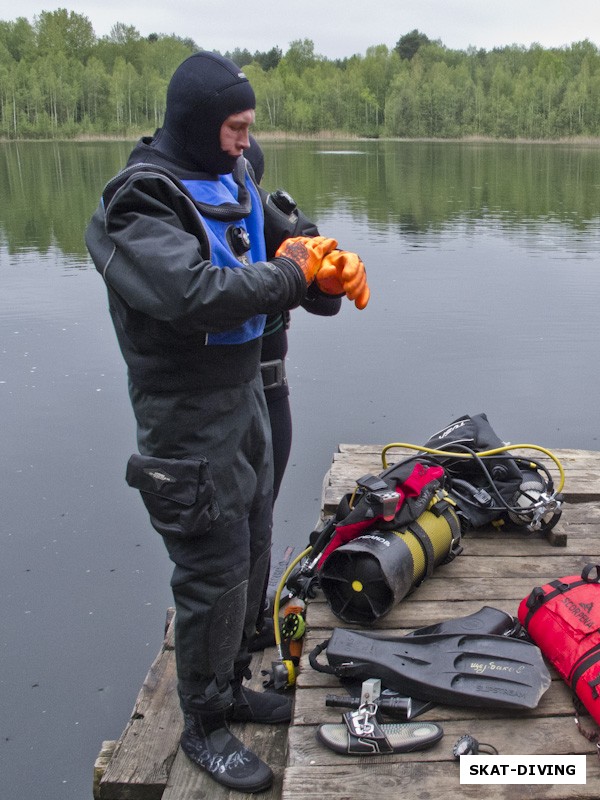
[59, 80]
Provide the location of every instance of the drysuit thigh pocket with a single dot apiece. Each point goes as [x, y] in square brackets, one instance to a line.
[179, 494]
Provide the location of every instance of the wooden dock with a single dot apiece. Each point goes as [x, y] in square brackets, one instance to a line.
[496, 569]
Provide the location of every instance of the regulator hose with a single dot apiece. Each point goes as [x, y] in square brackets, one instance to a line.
[482, 454]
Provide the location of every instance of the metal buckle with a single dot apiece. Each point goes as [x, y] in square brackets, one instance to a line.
[359, 721]
[273, 373]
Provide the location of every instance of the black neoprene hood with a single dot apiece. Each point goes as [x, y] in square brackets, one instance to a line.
[204, 90]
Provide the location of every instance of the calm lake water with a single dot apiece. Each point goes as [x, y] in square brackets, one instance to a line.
[484, 264]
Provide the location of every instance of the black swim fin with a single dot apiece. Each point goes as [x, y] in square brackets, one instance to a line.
[480, 671]
[487, 620]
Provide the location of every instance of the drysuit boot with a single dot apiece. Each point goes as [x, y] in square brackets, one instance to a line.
[266, 707]
[207, 741]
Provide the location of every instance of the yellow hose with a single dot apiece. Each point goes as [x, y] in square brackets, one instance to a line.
[482, 454]
[277, 599]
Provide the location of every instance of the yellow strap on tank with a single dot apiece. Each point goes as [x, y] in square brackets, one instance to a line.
[441, 530]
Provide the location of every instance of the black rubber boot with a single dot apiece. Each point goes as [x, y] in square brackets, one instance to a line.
[207, 741]
[266, 707]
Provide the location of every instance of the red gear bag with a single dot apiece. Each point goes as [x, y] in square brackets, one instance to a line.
[563, 619]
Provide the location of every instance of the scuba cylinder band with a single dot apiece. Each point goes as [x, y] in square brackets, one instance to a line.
[363, 579]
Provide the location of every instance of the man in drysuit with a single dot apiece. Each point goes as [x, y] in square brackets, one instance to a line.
[179, 239]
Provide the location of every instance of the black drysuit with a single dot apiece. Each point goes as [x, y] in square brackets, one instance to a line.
[204, 467]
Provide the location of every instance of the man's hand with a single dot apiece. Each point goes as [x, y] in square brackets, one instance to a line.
[307, 252]
[343, 272]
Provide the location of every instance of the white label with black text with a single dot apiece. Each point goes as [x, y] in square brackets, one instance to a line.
[522, 769]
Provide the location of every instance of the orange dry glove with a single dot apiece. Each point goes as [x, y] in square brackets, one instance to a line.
[307, 252]
[328, 279]
[343, 272]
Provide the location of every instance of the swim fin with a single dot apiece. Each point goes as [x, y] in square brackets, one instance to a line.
[476, 670]
[486, 620]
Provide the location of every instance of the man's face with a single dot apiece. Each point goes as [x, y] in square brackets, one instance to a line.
[234, 132]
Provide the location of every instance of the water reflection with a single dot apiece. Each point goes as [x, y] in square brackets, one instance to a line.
[51, 188]
[420, 186]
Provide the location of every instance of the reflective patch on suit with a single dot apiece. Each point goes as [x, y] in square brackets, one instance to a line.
[226, 628]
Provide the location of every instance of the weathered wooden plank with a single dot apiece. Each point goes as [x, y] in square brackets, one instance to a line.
[582, 542]
[410, 616]
[566, 455]
[310, 708]
[528, 566]
[411, 613]
[340, 485]
[584, 549]
[419, 780]
[140, 765]
[580, 513]
[100, 765]
[450, 586]
[517, 736]
[348, 465]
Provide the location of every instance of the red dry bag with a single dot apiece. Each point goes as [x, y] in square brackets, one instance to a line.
[563, 619]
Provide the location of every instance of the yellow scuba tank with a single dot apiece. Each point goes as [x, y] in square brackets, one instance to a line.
[363, 579]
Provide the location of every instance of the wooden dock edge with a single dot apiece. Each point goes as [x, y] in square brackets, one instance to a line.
[101, 763]
[140, 762]
[145, 762]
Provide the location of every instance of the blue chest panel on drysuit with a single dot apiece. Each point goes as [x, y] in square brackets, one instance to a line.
[216, 193]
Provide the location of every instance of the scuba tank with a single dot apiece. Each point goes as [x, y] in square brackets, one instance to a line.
[365, 578]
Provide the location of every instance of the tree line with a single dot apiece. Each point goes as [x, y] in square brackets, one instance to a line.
[59, 80]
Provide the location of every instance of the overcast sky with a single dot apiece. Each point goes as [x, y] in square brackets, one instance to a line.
[338, 28]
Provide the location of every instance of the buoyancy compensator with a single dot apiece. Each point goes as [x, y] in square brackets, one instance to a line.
[489, 483]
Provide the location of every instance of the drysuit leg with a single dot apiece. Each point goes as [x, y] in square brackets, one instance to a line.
[221, 562]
